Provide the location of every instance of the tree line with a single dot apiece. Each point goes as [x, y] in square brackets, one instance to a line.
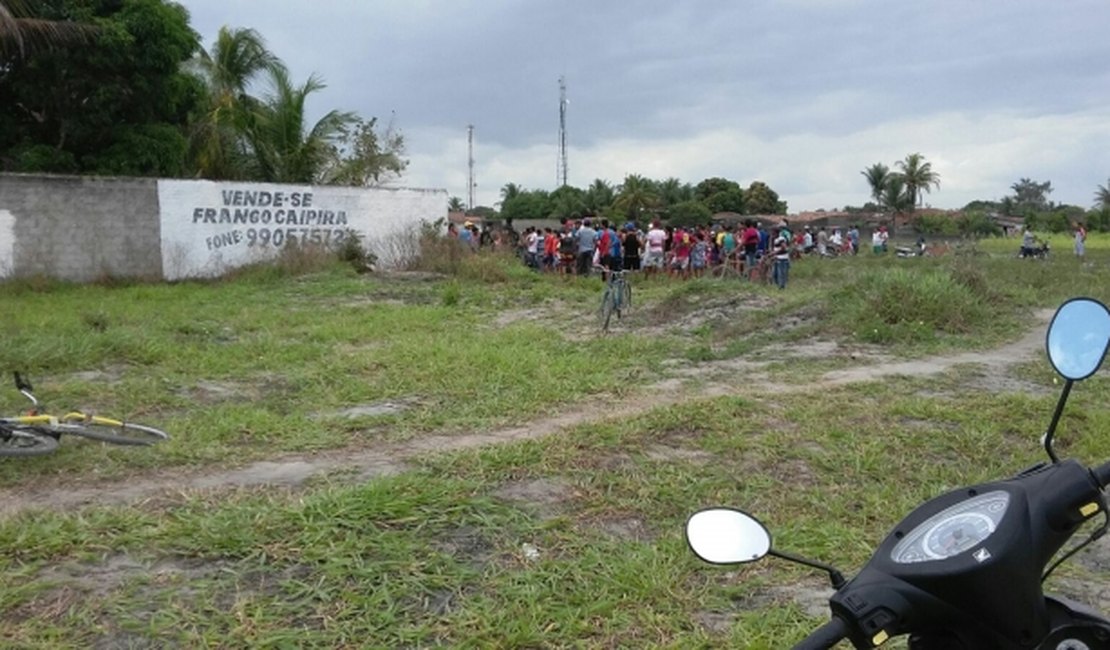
[898, 190]
[124, 87]
[636, 198]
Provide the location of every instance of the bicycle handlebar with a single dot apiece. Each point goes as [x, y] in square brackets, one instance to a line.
[25, 388]
[20, 383]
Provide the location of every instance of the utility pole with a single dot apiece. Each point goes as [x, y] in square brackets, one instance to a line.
[470, 184]
[561, 179]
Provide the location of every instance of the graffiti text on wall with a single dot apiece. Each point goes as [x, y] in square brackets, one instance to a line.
[271, 219]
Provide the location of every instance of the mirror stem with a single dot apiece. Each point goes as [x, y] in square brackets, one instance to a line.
[835, 577]
[1056, 420]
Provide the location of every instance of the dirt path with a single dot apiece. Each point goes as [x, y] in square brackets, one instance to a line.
[295, 469]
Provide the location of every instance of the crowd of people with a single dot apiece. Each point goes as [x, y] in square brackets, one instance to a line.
[580, 246]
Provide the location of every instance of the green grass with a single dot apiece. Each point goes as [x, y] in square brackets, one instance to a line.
[439, 554]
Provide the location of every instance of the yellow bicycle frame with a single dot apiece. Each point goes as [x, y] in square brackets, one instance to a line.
[68, 418]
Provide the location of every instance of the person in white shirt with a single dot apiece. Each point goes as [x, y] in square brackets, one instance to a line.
[653, 252]
[781, 269]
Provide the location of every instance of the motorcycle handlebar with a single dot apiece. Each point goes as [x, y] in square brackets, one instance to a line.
[1102, 475]
[825, 636]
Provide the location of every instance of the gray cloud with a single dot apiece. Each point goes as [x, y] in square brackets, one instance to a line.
[761, 87]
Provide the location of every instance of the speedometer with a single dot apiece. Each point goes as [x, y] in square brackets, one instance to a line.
[953, 530]
[956, 534]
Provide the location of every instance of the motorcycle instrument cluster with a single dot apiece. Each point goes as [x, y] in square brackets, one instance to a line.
[953, 530]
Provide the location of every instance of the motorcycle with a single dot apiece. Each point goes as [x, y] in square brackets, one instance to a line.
[965, 569]
[918, 250]
[1039, 250]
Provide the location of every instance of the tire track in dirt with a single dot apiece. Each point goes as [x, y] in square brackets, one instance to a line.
[294, 470]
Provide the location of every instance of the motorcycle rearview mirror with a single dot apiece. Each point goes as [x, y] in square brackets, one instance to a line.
[727, 536]
[1076, 341]
[730, 536]
[1077, 338]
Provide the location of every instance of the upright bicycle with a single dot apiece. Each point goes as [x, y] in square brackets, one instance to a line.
[616, 298]
[75, 423]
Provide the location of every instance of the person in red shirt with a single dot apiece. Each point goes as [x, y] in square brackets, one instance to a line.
[750, 241]
[680, 263]
[550, 249]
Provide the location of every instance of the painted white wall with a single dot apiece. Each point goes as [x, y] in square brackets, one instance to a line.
[208, 227]
[7, 243]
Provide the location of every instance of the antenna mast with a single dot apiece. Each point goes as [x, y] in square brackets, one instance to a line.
[561, 181]
[470, 184]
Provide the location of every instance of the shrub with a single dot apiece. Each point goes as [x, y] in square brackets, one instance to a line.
[885, 305]
[353, 251]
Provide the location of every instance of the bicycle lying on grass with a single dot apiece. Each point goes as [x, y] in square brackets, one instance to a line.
[616, 297]
[22, 442]
[38, 433]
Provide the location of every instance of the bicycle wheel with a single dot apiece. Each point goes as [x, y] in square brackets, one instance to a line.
[21, 442]
[95, 427]
[606, 311]
[626, 295]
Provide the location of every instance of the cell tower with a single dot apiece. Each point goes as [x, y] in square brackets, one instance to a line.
[470, 184]
[562, 168]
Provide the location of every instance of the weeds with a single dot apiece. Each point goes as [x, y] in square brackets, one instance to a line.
[907, 305]
[263, 364]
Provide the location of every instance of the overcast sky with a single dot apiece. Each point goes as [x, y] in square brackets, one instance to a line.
[801, 94]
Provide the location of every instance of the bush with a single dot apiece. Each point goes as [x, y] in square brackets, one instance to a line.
[353, 252]
[936, 224]
[885, 305]
[1048, 221]
[436, 254]
[969, 224]
[978, 224]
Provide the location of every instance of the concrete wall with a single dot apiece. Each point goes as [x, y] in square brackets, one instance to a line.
[79, 228]
[85, 228]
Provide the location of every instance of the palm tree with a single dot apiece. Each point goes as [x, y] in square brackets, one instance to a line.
[599, 195]
[636, 196]
[917, 175]
[567, 202]
[509, 192]
[455, 204]
[876, 176]
[19, 27]
[896, 195]
[219, 147]
[285, 151]
[1102, 196]
[672, 191]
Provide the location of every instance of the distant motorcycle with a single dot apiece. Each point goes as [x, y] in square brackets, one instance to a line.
[1039, 250]
[917, 250]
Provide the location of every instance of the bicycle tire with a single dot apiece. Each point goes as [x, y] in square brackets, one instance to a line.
[606, 311]
[626, 295]
[20, 442]
[112, 431]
